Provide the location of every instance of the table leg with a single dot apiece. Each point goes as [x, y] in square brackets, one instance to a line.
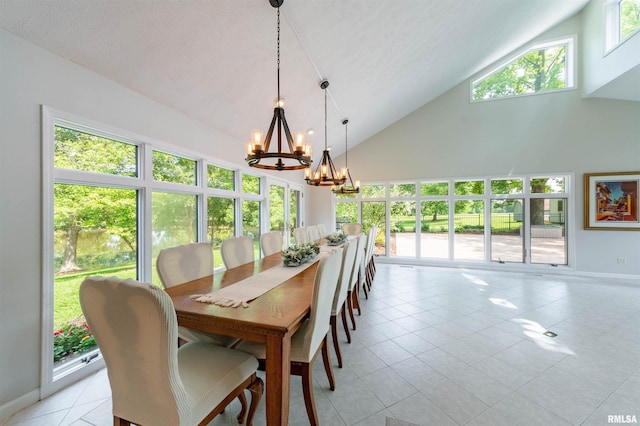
[278, 368]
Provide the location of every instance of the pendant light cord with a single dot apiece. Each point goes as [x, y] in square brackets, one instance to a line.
[278, 62]
[325, 118]
[346, 149]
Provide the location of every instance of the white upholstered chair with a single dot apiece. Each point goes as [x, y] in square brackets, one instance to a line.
[354, 283]
[367, 268]
[271, 243]
[312, 231]
[340, 297]
[181, 264]
[351, 228]
[153, 382]
[300, 236]
[322, 230]
[312, 336]
[237, 251]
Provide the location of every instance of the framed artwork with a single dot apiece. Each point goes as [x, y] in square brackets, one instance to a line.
[611, 201]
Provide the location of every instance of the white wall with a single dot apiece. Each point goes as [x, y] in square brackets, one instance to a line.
[600, 67]
[557, 132]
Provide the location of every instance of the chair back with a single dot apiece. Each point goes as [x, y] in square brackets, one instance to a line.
[348, 258]
[371, 242]
[312, 231]
[271, 243]
[322, 230]
[181, 264]
[326, 280]
[237, 251]
[351, 228]
[360, 252]
[135, 327]
[300, 236]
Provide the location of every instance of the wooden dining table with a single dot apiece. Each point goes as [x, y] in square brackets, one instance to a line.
[271, 318]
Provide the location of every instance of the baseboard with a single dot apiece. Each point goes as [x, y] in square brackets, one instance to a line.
[20, 403]
[629, 279]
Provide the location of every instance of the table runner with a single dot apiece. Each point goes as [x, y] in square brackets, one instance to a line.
[240, 293]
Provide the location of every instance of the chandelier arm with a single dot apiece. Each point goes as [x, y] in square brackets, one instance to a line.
[287, 132]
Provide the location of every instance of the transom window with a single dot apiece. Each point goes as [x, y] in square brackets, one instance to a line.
[622, 22]
[545, 67]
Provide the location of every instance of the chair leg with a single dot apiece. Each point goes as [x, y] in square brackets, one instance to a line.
[356, 300]
[256, 388]
[307, 392]
[334, 335]
[326, 360]
[343, 312]
[243, 411]
[350, 306]
[364, 287]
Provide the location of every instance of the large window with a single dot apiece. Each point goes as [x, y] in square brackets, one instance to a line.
[501, 220]
[543, 68]
[111, 203]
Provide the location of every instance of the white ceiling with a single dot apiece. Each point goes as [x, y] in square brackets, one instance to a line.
[216, 60]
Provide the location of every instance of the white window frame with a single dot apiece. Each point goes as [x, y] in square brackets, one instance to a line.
[571, 59]
[570, 218]
[51, 382]
[612, 28]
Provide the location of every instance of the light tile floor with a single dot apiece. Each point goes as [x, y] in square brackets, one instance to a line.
[443, 346]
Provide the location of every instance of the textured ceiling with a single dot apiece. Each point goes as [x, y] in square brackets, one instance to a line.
[216, 60]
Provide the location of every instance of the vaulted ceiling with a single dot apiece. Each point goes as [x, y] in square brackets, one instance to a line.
[216, 60]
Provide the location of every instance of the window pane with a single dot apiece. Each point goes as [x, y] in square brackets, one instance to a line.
[250, 184]
[90, 153]
[469, 230]
[373, 191]
[95, 234]
[403, 189]
[174, 220]
[171, 168]
[471, 187]
[434, 188]
[220, 178]
[539, 70]
[507, 242]
[403, 228]
[221, 224]
[548, 236]
[434, 236]
[506, 186]
[251, 223]
[629, 17]
[294, 209]
[346, 213]
[276, 208]
[374, 213]
[547, 185]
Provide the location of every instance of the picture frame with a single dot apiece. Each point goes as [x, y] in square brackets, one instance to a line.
[611, 201]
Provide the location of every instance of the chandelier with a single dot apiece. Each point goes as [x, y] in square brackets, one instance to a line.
[299, 155]
[344, 188]
[325, 173]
